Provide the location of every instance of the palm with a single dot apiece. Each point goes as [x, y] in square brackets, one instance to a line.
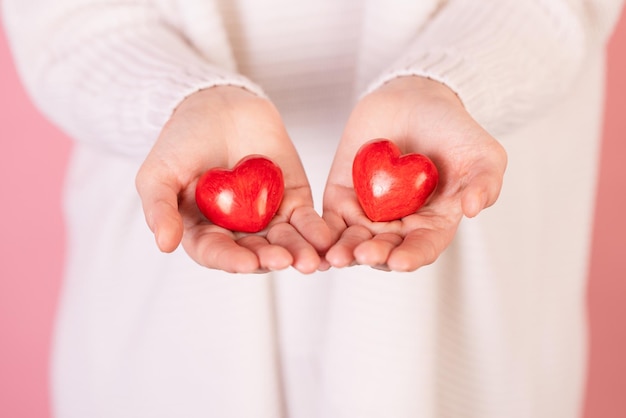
[401, 245]
[217, 129]
[471, 165]
[277, 247]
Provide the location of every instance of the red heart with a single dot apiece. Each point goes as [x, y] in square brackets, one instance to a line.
[389, 185]
[243, 199]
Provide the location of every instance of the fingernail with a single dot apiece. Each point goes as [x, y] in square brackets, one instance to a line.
[324, 265]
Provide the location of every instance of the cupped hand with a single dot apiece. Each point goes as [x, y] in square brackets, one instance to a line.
[217, 127]
[424, 116]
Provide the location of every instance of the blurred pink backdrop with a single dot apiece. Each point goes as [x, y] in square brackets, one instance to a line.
[32, 164]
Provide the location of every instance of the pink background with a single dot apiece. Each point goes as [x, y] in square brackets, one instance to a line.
[33, 158]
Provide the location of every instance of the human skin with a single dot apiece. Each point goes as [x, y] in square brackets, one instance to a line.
[423, 116]
[218, 126]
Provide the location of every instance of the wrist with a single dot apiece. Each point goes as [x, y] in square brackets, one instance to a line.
[220, 95]
[425, 88]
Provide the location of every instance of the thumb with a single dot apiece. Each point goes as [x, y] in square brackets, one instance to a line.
[482, 192]
[159, 198]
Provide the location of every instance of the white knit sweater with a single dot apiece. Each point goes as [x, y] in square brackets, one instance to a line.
[495, 328]
[135, 60]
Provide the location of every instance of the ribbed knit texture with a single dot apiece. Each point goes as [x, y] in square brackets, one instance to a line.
[112, 72]
[135, 61]
[502, 67]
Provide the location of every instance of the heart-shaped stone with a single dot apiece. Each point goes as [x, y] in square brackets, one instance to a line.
[243, 199]
[389, 185]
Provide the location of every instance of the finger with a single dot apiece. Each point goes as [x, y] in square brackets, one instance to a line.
[160, 205]
[215, 249]
[484, 187]
[324, 265]
[336, 225]
[419, 248]
[472, 201]
[375, 252]
[342, 253]
[312, 227]
[167, 224]
[271, 257]
[305, 258]
[480, 193]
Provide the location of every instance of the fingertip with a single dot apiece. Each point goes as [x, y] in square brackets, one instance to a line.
[418, 249]
[306, 260]
[367, 254]
[166, 240]
[307, 265]
[482, 192]
[247, 263]
[342, 253]
[324, 265]
[376, 251]
[335, 226]
[318, 234]
[401, 263]
[471, 205]
[223, 253]
[323, 239]
[474, 200]
[168, 234]
[159, 199]
[313, 228]
[274, 258]
[337, 257]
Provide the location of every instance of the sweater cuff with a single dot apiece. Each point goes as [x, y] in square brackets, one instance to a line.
[117, 84]
[503, 59]
[156, 71]
[185, 81]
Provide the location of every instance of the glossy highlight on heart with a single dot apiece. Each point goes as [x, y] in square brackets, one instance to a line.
[243, 199]
[389, 185]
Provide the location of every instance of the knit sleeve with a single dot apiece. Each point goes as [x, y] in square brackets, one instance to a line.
[506, 59]
[110, 72]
